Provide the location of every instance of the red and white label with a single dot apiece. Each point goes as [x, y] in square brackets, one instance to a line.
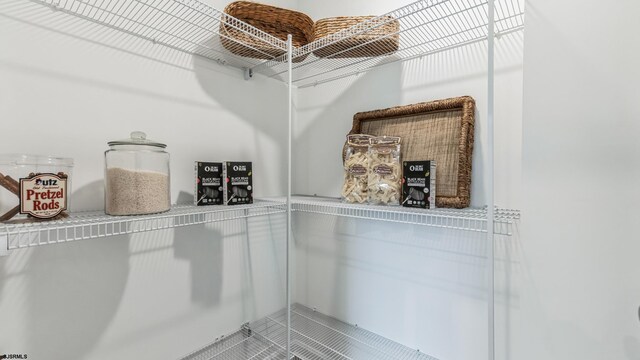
[43, 196]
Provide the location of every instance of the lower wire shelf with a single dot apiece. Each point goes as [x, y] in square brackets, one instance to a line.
[95, 224]
[314, 336]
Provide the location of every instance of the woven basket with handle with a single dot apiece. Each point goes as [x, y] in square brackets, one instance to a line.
[273, 20]
[381, 38]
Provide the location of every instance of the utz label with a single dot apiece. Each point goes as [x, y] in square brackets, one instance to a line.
[43, 196]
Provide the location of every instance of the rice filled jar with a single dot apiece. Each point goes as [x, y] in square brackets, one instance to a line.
[137, 179]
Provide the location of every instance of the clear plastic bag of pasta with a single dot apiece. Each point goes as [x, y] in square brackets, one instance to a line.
[356, 169]
[385, 172]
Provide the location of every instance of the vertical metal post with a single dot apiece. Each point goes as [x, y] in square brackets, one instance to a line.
[490, 182]
[289, 146]
[4, 245]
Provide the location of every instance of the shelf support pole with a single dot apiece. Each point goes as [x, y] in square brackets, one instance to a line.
[4, 245]
[289, 149]
[490, 182]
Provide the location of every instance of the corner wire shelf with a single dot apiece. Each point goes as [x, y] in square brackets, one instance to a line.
[425, 27]
[95, 224]
[470, 219]
[314, 336]
[185, 25]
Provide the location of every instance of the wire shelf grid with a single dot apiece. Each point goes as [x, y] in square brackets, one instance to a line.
[185, 25]
[240, 345]
[95, 224]
[471, 219]
[425, 27]
[314, 336]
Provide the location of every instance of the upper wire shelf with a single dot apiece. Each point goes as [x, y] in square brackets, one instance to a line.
[185, 25]
[421, 28]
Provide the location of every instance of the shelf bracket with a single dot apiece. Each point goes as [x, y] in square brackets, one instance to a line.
[246, 329]
[248, 73]
[4, 245]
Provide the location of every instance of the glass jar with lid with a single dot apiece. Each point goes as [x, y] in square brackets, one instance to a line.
[137, 179]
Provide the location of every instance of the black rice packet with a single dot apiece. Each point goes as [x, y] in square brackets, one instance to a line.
[419, 184]
[238, 183]
[209, 186]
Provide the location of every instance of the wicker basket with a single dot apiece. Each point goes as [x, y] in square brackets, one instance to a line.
[439, 130]
[382, 39]
[270, 19]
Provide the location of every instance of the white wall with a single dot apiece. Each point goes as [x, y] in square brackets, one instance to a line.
[423, 287]
[574, 274]
[66, 88]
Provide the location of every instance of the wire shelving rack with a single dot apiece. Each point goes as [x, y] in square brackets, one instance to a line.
[469, 219]
[315, 336]
[95, 224]
[425, 27]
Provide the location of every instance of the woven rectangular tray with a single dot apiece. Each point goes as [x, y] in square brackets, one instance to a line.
[440, 130]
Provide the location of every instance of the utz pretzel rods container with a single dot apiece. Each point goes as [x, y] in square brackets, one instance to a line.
[34, 187]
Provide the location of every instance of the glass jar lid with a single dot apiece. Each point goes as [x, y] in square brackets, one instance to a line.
[137, 138]
[34, 160]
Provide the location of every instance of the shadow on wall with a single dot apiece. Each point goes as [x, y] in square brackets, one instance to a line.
[77, 295]
[201, 245]
[86, 36]
[369, 247]
[325, 112]
[324, 130]
[248, 100]
[88, 197]
[245, 98]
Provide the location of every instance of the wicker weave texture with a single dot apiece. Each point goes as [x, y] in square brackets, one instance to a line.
[439, 130]
[381, 38]
[273, 20]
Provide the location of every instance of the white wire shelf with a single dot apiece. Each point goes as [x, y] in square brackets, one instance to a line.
[95, 224]
[471, 219]
[314, 336]
[185, 25]
[241, 345]
[424, 27]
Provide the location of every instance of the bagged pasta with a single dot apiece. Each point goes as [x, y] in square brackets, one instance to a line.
[385, 174]
[356, 168]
